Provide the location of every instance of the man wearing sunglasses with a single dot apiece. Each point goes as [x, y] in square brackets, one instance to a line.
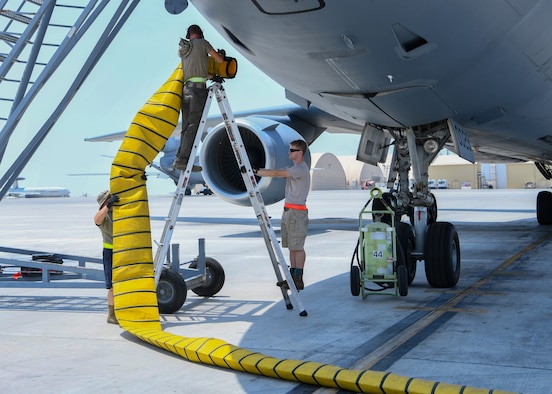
[295, 218]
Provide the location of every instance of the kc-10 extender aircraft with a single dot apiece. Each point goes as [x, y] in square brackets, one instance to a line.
[474, 77]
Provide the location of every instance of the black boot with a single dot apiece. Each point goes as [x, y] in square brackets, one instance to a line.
[298, 279]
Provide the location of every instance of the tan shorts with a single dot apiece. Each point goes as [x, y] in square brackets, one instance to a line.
[294, 227]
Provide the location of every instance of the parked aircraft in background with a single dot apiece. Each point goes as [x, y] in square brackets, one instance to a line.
[34, 192]
[473, 77]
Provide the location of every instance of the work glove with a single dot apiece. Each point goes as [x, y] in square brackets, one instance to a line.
[112, 200]
[222, 52]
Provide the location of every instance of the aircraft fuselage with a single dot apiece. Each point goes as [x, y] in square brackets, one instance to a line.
[401, 64]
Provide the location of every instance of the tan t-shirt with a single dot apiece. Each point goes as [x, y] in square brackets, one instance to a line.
[195, 64]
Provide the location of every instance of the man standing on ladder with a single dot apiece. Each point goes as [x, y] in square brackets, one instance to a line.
[195, 61]
[295, 218]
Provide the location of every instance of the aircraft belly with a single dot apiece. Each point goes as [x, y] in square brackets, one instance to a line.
[357, 107]
[413, 106]
[489, 66]
[272, 7]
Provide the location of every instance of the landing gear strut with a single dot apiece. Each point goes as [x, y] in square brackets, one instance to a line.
[422, 238]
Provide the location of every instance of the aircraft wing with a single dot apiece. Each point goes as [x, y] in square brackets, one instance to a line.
[312, 116]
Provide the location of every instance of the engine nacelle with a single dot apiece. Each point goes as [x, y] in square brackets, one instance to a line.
[266, 142]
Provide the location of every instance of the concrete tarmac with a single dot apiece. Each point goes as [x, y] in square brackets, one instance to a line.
[492, 330]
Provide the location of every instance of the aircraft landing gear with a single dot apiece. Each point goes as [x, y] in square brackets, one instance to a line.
[424, 238]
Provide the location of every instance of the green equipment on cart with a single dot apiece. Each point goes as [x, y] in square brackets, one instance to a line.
[378, 257]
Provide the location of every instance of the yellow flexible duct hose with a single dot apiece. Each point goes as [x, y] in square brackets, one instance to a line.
[134, 284]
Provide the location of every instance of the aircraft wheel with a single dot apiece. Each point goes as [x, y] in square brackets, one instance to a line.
[407, 240]
[544, 207]
[442, 255]
[432, 211]
[215, 278]
[171, 291]
[355, 280]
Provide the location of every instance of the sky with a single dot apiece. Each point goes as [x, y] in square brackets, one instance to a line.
[137, 63]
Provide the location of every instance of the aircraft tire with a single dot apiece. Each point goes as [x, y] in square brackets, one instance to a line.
[544, 207]
[407, 240]
[171, 291]
[432, 211]
[442, 255]
[355, 280]
[215, 278]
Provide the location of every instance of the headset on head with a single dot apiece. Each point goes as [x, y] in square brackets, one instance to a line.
[194, 29]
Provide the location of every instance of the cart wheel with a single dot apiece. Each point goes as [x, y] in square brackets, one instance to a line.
[401, 272]
[355, 280]
[402, 278]
[171, 291]
[214, 278]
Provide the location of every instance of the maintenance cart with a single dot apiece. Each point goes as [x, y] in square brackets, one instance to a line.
[378, 257]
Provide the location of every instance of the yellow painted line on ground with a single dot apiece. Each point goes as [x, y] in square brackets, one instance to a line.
[400, 339]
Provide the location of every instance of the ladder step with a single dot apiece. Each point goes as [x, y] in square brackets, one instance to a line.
[16, 16]
[8, 38]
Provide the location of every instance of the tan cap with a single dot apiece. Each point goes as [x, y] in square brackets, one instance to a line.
[102, 197]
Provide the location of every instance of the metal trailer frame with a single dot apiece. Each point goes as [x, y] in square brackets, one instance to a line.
[81, 275]
[203, 275]
[87, 272]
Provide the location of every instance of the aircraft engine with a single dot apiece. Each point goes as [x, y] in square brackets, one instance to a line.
[266, 141]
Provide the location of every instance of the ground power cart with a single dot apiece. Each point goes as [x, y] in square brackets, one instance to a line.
[378, 257]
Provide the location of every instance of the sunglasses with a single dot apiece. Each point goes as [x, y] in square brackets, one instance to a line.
[294, 150]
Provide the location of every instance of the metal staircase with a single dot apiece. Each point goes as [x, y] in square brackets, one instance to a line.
[36, 38]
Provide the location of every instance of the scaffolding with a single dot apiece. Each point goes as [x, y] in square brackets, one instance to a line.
[36, 38]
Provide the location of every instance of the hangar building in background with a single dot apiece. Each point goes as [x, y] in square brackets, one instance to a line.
[330, 172]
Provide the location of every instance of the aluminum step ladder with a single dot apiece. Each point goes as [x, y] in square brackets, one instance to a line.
[36, 38]
[281, 269]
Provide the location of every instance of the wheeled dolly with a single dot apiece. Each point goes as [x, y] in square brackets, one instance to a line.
[378, 257]
[203, 275]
